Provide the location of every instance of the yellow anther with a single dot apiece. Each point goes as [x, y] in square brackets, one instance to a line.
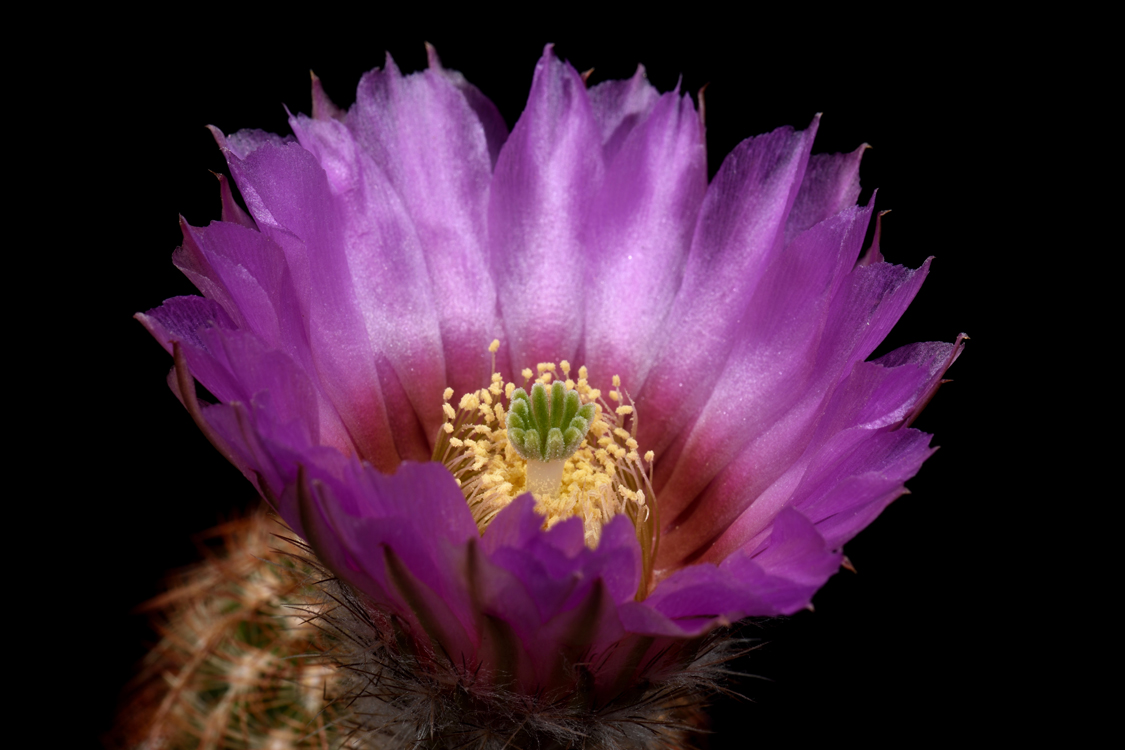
[494, 346]
[649, 456]
[595, 483]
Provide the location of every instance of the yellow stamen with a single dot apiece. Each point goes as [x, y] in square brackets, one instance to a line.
[606, 476]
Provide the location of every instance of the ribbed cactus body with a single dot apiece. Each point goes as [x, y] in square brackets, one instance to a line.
[239, 663]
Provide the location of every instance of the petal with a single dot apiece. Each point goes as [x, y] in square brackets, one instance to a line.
[738, 234]
[856, 456]
[244, 142]
[432, 147]
[770, 372]
[868, 302]
[231, 211]
[495, 129]
[620, 106]
[391, 284]
[555, 566]
[778, 578]
[546, 177]
[295, 207]
[385, 552]
[639, 233]
[935, 356]
[830, 184]
[184, 319]
[249, 276]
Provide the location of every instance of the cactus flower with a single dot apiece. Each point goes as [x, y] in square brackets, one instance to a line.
[549, 406]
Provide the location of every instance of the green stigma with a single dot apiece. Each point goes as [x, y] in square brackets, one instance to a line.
[548, 427]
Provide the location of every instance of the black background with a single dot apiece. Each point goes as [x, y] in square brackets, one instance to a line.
[915, 645]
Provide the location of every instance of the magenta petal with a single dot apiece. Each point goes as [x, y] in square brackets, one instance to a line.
[391, 283]
[244, 142]
[430, 143]
[547, 175]
[830, 184]
[184, 320]
[296, 208]
[857, 456]
[556, 567]
[739, 232]
[935, 356]
[771, 371]
[495, 129]
[868, 302]
[639, 233]
[382, 550]
[249, 276]
[620, 106]
[778, 578]
[231, 211]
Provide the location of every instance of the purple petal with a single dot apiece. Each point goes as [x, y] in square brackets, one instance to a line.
[425, 137]
[392, 288]
[935, 356]
[555, 566]
[620, 106]
[639, 233]
[385, 552]
[245, 142]
[231, 211]
[738, 234]
[295, 206]
[249, 276]
[184, 319]
[866, 305]
[769, 373]
[495, 129]
[778, 578]
[548, 173]
[830, 184]
[855, 456]
[324, 108]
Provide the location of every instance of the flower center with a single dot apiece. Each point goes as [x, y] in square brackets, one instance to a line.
[556, 438]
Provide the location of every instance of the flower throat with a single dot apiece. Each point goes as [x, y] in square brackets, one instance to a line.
[555, 438]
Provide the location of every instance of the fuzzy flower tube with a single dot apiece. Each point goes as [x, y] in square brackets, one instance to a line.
[547, 406]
